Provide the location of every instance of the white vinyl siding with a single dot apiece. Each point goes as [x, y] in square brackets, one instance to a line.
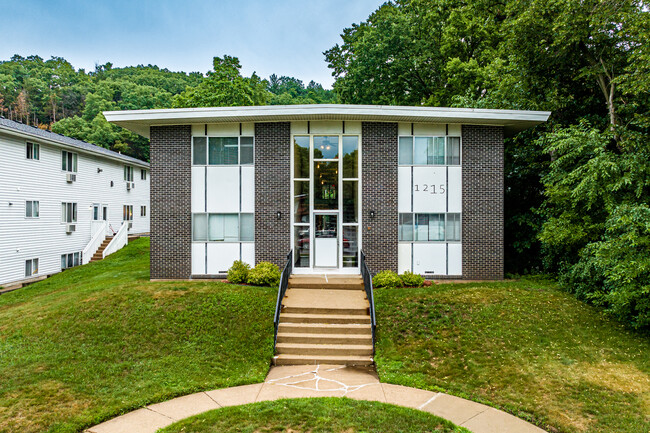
[23, 238]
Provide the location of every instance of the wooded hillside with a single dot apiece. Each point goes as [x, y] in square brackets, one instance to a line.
[52, 94]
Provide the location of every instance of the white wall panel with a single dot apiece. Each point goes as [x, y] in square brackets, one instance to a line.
[403, 257]
[352, 127]
[326, 127]
[435, 129]
[223, 189]
[198, 189]
[429, 189]
[430, 258]
[221, 256]
[198, 258]
[455, 190]
[455, 129]
[299, 127]
[404, 189]
[248, 253]
[198, 129]
[223, 129]
[248, 128]
[248, 189]
[455, 258]
[403, 128]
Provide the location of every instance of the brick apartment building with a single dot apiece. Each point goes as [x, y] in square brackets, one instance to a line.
[417, 188]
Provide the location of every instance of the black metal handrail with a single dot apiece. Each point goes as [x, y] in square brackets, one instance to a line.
[367, 285]
[282, 289]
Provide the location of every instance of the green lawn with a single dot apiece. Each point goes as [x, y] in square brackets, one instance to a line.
[522, 346]
[99, 340]
[316, 415]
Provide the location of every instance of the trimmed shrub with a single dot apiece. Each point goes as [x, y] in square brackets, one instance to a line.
[409, 279]
[264, 274]
[388, 279]
[238, 272]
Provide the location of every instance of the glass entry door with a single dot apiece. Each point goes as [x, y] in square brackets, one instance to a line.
[326, 240]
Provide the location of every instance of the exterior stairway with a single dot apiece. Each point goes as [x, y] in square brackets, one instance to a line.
[324, 320]
[98, 254]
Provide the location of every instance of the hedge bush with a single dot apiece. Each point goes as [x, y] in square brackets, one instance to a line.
[409, 279]
[387, 279]
[238, 272]
[264, 274]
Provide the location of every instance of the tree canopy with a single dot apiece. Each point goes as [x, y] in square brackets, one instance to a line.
[577, 188]
[52, 94]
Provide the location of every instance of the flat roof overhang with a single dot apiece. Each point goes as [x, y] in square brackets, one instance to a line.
[140, 121]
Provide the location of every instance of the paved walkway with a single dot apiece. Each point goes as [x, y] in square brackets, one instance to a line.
[303, 381]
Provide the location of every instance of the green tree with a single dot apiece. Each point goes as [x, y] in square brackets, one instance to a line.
[224, 86]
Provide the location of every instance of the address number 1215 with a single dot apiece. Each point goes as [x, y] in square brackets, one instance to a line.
[431, 189]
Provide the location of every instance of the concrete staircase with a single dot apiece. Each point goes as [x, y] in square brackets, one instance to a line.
[99, 253]
[324, 320]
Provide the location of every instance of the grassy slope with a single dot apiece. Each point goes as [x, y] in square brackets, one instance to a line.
[99, 340]
[523, 346]
[314, 415]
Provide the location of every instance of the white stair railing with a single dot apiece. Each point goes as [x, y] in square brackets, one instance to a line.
[99, 234]
[120, 239]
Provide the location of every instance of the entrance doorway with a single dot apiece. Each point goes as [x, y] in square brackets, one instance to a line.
[326, 195]
[326, 240]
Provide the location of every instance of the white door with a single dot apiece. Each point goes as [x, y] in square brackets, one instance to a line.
[326, 240]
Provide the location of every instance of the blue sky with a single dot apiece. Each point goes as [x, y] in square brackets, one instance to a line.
[286, 37]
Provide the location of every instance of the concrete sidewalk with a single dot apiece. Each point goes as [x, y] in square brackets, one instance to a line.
[304, 381]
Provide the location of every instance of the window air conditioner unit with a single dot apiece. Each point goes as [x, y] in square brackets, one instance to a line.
[70, 177]
[130, 185]
[69, 228]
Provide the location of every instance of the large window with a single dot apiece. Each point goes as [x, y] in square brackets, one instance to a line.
[70, 260]
[68, 161]
[222, 150]
[429, 150]
[232, 227]
[33, 151]
[429, 227]
[31, 209]
[69, 212]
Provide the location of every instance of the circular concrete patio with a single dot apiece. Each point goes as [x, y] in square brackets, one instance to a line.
[304, 381]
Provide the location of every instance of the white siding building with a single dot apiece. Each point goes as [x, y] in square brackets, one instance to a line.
[60, 198]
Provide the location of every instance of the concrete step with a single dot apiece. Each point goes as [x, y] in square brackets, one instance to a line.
[323, 318]
[329, 282]
[326, 311]
[302, 338]
[327, 286]
[322, 359]
[320, 328]
[324, 349]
